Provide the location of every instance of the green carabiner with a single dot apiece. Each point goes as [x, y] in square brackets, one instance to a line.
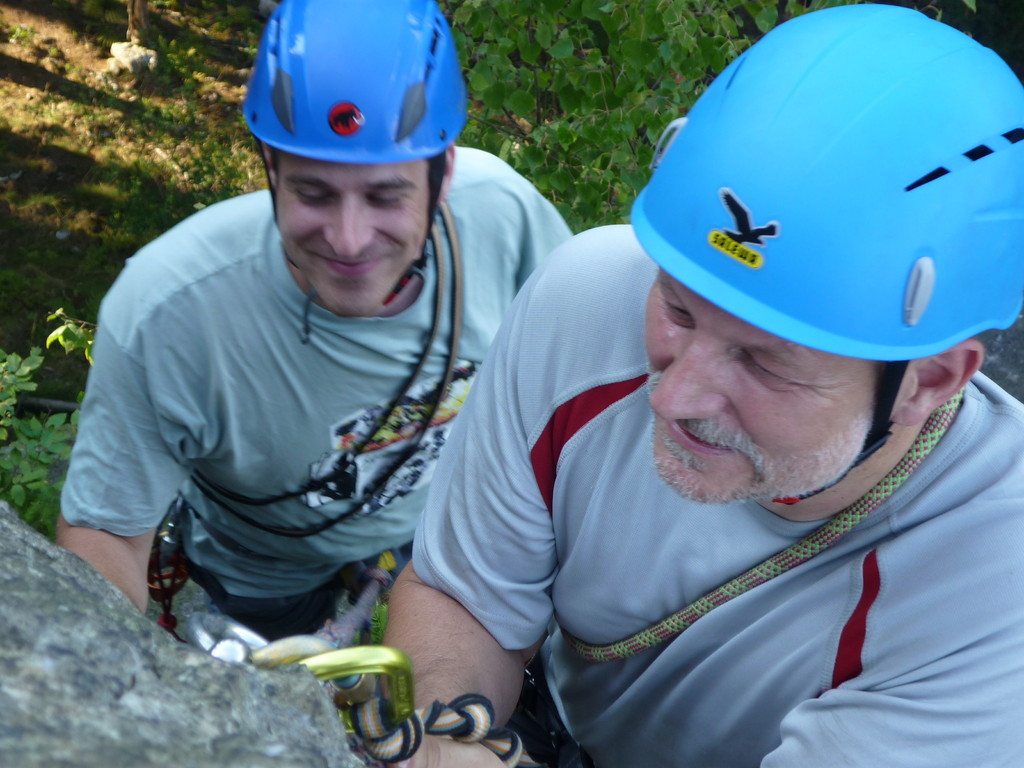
[394, 664]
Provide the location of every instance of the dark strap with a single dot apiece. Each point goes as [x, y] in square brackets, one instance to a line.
[221, 495]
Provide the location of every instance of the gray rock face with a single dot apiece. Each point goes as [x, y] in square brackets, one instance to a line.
[1004, 358]
[85, 680]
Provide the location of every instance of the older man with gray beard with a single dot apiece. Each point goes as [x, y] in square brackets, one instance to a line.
[821, 565]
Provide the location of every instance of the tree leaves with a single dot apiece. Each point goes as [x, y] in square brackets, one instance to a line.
[34, 448]
[574, 93]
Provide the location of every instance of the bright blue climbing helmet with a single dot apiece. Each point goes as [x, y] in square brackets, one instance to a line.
[854, 182]
[357, 81]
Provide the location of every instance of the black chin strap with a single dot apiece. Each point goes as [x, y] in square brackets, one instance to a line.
[881, 424]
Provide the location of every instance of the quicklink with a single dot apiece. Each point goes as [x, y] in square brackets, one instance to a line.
[347, 669]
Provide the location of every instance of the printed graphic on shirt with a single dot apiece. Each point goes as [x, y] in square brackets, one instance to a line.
[360, 461]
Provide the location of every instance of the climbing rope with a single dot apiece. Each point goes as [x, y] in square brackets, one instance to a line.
[468, 718]
[800, 552]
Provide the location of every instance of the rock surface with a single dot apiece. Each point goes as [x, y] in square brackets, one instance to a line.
[131, 57]
[1004, 358]
[85, 680]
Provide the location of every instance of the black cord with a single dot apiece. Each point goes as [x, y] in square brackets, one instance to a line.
[218, 493]
[304, 333]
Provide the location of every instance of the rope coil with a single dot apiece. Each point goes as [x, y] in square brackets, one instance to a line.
[467, 718]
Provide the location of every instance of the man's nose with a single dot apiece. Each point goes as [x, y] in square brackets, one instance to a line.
[693, 385]
[350, 229]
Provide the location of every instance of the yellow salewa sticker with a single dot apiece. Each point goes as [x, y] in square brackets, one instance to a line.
[732, 242]
[738, 251]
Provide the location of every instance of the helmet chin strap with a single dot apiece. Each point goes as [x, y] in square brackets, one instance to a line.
[311, 295]
[881, 425]
[415, 269]
[436, 167]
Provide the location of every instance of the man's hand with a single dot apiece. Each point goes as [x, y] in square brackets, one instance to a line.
[437, 752]
[452, 654]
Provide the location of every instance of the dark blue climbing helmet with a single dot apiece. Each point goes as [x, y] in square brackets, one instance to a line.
[357, 81]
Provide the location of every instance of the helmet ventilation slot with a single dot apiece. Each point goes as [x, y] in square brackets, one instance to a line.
[974, 154]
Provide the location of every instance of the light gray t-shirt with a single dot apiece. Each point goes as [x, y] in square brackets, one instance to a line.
[900, 645]
[200, 367]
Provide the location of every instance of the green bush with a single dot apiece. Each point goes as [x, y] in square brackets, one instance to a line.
[34, 449]
[575, 94]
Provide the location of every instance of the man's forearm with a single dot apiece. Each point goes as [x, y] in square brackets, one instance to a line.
[452, 653]
[123, 560]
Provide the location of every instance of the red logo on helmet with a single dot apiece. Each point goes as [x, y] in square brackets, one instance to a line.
[345, 118]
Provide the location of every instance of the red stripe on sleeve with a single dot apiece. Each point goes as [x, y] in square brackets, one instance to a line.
[568, 419]
[849, 661]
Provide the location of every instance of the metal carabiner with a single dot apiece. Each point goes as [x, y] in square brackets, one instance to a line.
[222, 637]
[349, 666]
[288, 650]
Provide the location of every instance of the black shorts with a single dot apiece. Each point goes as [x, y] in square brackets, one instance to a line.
[539, 725]
[273, 617]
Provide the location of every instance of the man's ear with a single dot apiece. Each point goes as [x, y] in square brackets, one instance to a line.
[449, 169]
[931, 381]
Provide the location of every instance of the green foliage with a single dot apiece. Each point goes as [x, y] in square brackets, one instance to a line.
[72, 334]
[23, 34]
[32, 448]
[574, 93]
[378, 622]
[94, 165]
[15, 377]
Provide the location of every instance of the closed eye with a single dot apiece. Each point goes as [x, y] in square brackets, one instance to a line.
[767, 376]
[310, 193]
[313, 198]
[386, 200]
[679, 315]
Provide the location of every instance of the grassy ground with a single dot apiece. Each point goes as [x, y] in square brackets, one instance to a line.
[93, 165]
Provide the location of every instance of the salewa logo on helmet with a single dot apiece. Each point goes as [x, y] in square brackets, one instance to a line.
[345, 118]
[731, 241]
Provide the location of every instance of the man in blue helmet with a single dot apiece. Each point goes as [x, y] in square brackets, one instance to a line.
[730, 476]
[288, 364]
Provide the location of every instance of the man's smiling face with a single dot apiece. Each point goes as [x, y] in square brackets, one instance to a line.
[740, 413]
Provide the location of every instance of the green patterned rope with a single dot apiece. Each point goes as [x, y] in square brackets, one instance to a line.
[800, 552]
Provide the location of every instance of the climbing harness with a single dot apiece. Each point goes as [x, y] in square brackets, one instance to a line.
[800, 552]
[221, 495]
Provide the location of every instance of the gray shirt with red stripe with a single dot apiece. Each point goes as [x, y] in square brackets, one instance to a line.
[900, 645]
